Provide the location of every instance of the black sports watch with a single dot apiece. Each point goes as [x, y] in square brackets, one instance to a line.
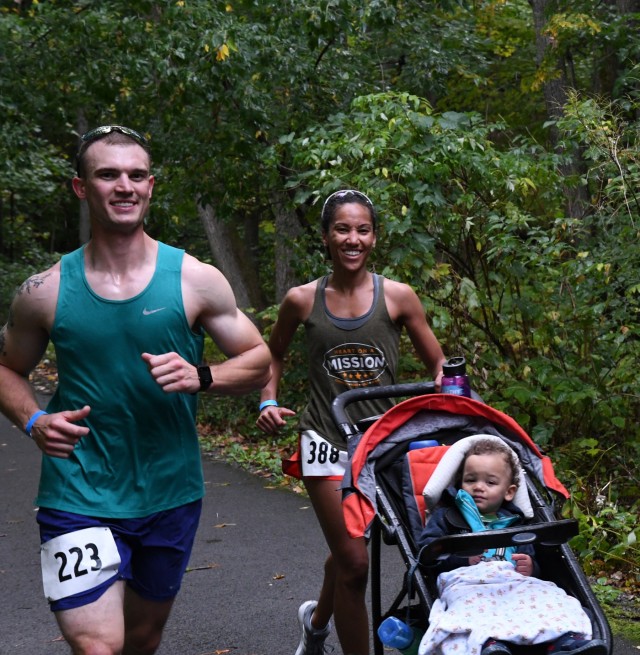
[205, 377]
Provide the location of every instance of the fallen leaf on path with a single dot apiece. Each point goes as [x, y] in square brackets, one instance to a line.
[204, 567]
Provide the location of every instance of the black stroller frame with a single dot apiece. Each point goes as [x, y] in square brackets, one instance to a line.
[389, 527]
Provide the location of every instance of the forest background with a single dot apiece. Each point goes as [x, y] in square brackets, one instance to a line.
[497, 138]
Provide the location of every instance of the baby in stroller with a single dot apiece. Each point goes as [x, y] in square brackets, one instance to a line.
[491, 601]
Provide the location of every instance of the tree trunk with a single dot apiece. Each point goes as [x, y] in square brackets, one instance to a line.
[288, 229]
[84, 225]
[232, 257]
[555, 90]
[628, 6]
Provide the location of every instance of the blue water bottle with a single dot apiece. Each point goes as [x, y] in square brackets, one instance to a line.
[397, 634]
[423, 443]
[454, 378]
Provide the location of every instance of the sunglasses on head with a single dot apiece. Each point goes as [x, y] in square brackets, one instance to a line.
[103, 130]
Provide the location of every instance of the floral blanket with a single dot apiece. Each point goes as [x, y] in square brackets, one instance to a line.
[491, 600]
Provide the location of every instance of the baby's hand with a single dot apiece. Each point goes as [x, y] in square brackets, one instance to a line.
[523, 563]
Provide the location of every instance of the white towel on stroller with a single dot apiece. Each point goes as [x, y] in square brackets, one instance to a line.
[490, 600]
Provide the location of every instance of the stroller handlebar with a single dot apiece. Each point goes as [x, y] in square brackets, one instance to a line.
[473, 543]
[347, 428]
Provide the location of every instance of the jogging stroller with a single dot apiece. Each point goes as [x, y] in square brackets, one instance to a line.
[383, 498]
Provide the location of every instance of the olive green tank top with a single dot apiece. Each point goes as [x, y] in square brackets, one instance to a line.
[142, 454]
[346, 354]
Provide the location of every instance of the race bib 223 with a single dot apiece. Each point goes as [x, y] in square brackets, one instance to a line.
[78, 561]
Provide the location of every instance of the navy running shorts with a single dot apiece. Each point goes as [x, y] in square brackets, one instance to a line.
[154, 550]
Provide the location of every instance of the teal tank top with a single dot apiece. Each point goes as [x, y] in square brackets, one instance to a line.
[142, 453]
[346, 354]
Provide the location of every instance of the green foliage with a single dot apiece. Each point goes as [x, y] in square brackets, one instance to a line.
[238, 414]
[261, 458]
[610, 535]
[605, 503]
[14, 273]
[31, 168]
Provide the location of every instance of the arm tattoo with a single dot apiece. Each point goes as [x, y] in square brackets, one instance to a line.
[33, 282]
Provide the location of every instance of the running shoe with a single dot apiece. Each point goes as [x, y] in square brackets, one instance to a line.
[312, 640]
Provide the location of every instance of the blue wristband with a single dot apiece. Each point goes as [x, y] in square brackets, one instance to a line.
[268, 403]
[32, 420]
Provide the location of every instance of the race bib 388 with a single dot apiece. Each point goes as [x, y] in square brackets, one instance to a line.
[319, 457]
[78, 561]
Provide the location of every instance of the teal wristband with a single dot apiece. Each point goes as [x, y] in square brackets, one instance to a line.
[32, 420]
[268, 403]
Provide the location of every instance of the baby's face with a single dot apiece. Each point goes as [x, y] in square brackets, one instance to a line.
[487, 479]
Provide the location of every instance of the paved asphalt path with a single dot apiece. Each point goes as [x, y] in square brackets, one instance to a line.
[258, 555]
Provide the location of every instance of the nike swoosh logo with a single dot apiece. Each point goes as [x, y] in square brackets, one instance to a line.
[146, 312]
